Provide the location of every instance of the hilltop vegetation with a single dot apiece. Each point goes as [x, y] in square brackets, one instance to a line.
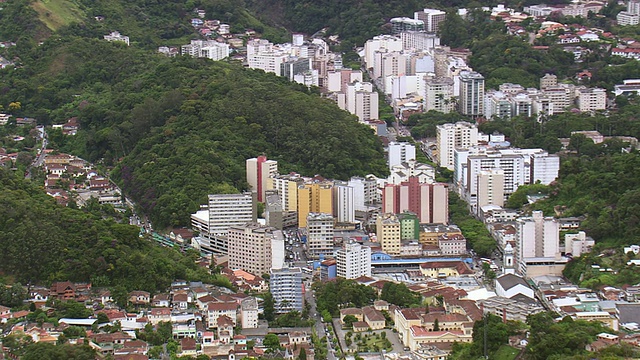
[43, 242]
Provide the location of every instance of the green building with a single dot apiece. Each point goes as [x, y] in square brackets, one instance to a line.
[409, 226]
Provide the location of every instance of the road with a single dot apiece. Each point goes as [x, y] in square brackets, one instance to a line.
[321, 329]
[37, 162]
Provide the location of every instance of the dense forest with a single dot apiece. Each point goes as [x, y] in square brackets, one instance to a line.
[44, 242]
[179, 129]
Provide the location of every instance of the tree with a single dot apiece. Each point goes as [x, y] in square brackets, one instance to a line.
[269, 312]
[348, 320]
[436, 325]
[303, 354]
[102, 318]
[272, 343]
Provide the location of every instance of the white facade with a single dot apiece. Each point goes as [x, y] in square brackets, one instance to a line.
[353, 261]
[401, 153]
[277, 250]
[418, 40]
[116, 36]
[439, 94]
[286, 287]
[344, 202]
[226, 210]
[361, 100]
[432, 19]
[537, 238]
[388, 42]
[578, 244]
[365, 192]
[461, 135]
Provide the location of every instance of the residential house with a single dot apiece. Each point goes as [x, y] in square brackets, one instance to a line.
[225, 329]
[71, 126]
[215, 309]
[160, 300]
[139, 297]
[188, 347]
[181, 301]
[373, 318]
[64, 290]
[159, 314]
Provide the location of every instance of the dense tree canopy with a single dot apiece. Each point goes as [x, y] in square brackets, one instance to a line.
[42, 242]
[333, 295]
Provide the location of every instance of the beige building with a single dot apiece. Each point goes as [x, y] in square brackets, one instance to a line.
[320, 229]
[287, 188]
[249, 248]
[592, 99]
[429, 234]
[416, 328]
[388, 231]
[490, 187]
[439, 269]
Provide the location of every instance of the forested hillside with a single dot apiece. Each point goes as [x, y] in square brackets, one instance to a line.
[179, 129]
[42, 242]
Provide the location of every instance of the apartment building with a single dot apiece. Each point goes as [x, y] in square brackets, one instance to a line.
[314, 197]
[388, 232]
[449, 137]
[432, 19]
[259, 170]
[287, 188]
[471, 97]
[428, 201]
[285, 286]
[399, 153]
[320, 231]
[365, 192]
[439, 94]
[343, 202]
[592, 99]
[537, 244]
[250, 248]
[353, 260]
[226, 210]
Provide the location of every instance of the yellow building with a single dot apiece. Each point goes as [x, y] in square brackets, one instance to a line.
[314, 198]
[388, 231]
[287, 188]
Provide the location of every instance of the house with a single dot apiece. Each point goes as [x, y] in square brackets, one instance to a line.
[215, 309]
[133, 347]
[510, 286]
[64, 290]
[180, 301]
[4, 119]
[4, 311]
[100, 183]
[373, 318]
[440, 269]
[71, 126]
[351, 311]
[360, 326]
[159, 314]
[160, 300]
[298, 337]
[188, 347]
[225, 329]
[139, 297]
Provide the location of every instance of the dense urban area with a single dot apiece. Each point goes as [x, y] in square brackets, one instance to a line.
[280, 179]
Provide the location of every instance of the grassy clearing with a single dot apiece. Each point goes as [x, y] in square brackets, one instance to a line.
[506, 353]
[58, 13]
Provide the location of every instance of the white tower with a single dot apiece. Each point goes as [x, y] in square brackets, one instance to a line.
[508, 266]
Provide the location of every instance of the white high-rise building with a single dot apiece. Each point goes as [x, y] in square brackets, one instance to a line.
[388, 42]
[353, 260]
[418, 40]
[517, 166]
[490, 187]
[365, 192]
[538, 240]
[471, 93]
[361, 100]
[461, 135]
[343, 202]
[401, 153]
[226, 210]
[438, 94]
[319, 234]
[259, 170]
[285, 286]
